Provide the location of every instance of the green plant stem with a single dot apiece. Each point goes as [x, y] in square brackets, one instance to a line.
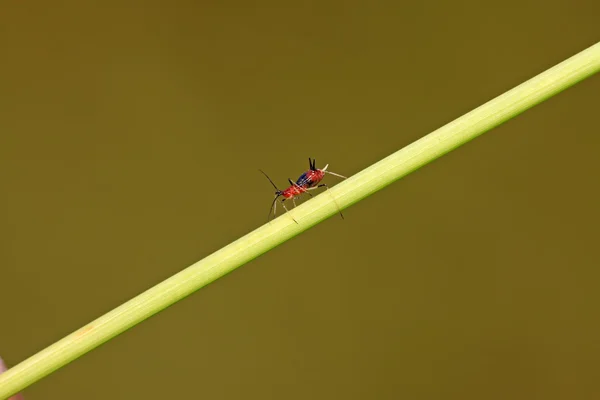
[357, 187]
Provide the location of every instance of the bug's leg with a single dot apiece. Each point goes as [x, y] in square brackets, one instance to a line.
[334, 174]
[294, 201]
[286, 210]
[327, 188]
[294, 184]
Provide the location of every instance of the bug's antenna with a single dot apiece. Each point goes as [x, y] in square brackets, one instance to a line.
[271, 210]
[270, 180]
[277, 194]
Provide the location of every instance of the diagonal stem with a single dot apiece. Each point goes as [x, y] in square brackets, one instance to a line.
[263, 239]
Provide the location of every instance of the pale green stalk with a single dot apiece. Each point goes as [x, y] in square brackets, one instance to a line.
[308, 214]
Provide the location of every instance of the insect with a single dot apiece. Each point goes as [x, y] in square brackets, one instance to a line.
[309, 180]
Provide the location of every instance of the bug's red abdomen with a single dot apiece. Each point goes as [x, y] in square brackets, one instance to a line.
[310, 178]
[317, 177]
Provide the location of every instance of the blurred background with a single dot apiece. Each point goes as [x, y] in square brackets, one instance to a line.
[131, 134]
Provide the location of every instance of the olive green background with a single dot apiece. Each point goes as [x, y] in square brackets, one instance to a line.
[131, 134]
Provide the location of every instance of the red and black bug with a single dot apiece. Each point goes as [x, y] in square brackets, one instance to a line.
[309, 180]
[313, 176]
